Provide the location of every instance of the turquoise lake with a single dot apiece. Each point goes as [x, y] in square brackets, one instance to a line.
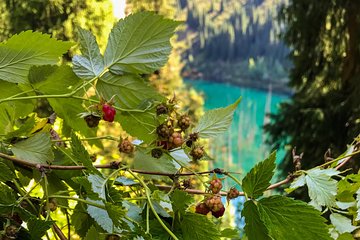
[243, 145]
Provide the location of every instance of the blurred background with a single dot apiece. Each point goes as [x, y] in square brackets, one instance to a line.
[295, 63]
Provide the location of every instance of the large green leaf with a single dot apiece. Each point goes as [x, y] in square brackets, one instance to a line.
[68, 109]
[62, 80]
[38, 228]
[140, 43]
[108, 219]
[286, 219]
[254, 227]
[129, 92]
[341, 223]
[26, 49]
[91, 63]
[93, 234]
[358, 205]
[259, 177]
[322, 188]
[6, 174]
[36, 149]
[198, 227]
[144, 161]
[216, 121]
[11, 110]
[181, 201]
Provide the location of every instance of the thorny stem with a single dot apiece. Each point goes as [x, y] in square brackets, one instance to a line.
[147, 192]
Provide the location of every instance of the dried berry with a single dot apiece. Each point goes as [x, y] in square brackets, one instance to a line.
[164, 131]
[176, 139]
[11, 231]
[232, 193]
[186, 183]
[92, 120]
[109, 113]
[16, 218]
[201, 208]
[112, 237]
[184, 122]
[52, 204]
[126, 146]
[156, 153]
[192, 138]
[214, 203]
[218, 213]
[162, 109]
[197, 153]
[215, 185]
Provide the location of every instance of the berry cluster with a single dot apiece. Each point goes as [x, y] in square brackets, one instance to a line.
[197, 153]
[232, 193]
[215, 185]
[126, 146]
[103, 111]
[212, 204]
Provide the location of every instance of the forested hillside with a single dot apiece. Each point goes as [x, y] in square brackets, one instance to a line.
[235, 41]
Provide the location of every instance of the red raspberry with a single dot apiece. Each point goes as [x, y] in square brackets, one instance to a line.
[219, 213]
[215, 185]
[176, 139]
[109, 113]
[201, 208]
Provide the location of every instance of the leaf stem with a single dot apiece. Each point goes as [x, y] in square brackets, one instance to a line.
[147, 192]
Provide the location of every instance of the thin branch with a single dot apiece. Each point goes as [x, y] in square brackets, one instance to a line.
[59, 232]
[111, 165]
[200, 192]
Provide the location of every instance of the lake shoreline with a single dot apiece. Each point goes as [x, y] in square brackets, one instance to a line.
[276, 88]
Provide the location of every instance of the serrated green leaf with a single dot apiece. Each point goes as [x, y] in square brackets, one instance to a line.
[91, 63]
[98, 185]
[7, 195]
[125, 181]
[81, 154]
[230, 233]
[254, 227]
[130, 50]
[144, 161]
[6, 174]
[346, 236]
[101, 217]
[198, 227]
[117, 214]
[216, 121]
[61, 81]
[128, 92]
[258, 179]
[38, 228]
[358, 205]
[181, 201]
[36, 149]
[27, 49]
[10, 111]
[322, 188]
[81, 220]
[24, 130]
[341, 223]
[93, 234]
[286, 219]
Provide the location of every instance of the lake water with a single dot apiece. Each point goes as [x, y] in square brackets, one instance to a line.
[240, 148]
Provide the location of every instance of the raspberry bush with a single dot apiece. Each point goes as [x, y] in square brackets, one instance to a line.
[52, 185]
